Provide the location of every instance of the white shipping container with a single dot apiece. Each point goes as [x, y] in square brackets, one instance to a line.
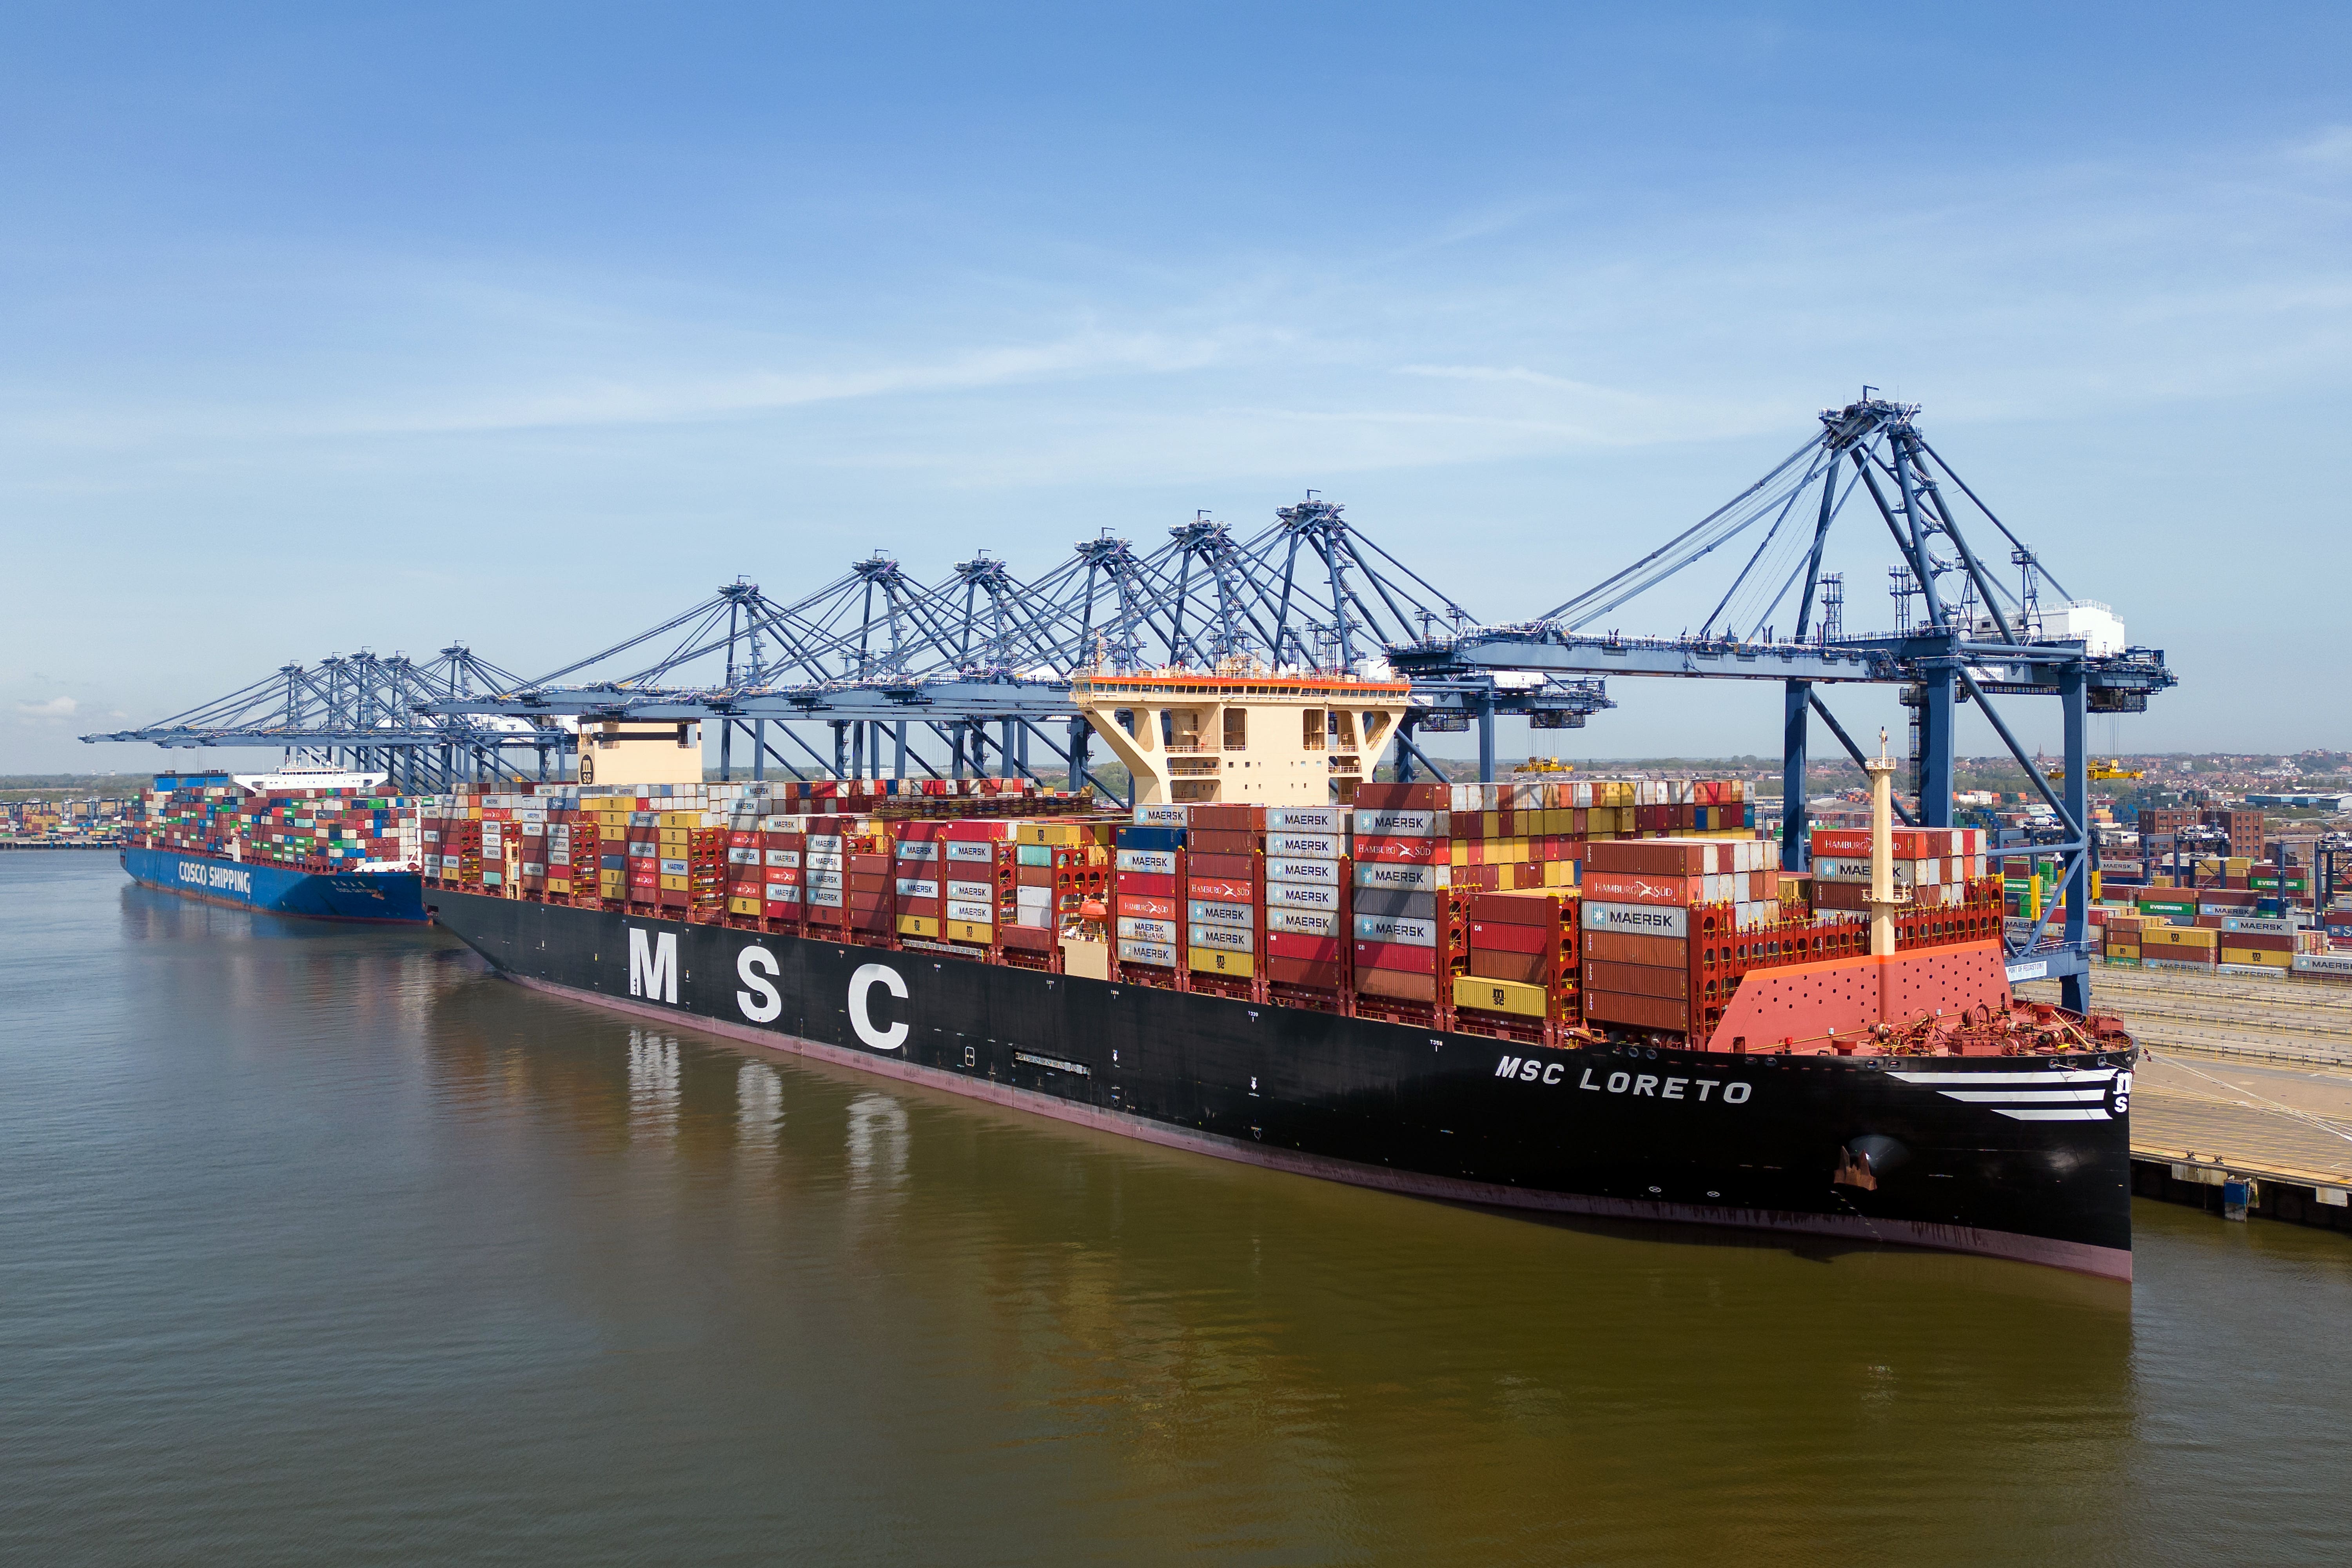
[1307, 819]
[918, 849]
[1302, 922]
[1153, 862]
[783, 859]
[1402, 878]
[1304, 845]
[1161, 815]
[1146, 930]
[1400, 929]
[1295, 896]
[1326, 872]
[969, 849]
[1380, 823]
[1205, 912]
[918, 888]
[1161, 953]
[977, 914]
[1641, 920]
[1225, 939]
[980, 890]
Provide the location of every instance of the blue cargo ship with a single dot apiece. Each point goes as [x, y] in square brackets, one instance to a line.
[395, 897]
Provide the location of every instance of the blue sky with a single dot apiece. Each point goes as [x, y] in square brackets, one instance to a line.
[528, 325]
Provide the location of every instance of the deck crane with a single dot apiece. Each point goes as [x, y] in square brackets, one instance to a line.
[1983, 641]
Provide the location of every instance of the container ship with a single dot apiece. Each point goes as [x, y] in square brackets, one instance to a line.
[323, 845]
[1412, 987]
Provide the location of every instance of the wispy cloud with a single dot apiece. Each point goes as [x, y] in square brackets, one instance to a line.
[55, 708]
[2332, 146]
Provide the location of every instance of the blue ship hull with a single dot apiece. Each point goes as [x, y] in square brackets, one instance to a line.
[396, 896]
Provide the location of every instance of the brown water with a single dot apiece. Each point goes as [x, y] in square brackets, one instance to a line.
[318, 1244]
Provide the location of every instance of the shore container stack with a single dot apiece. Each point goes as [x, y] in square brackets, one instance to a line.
[1308, 910]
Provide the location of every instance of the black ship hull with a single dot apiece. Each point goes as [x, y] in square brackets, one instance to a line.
[2019, 1158]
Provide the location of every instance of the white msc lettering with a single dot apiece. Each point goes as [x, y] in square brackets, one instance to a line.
[653, 966]
[757, 968]
[1646, 1085]
[869, 975]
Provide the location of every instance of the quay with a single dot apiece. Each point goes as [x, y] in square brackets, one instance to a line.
[2242, 1104]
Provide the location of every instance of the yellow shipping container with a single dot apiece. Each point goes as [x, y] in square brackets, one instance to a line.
[1500, 995]
[1215, 961]
[2179, 936]
[970, 931]
[2258, 955]
[2122, 950]
[682, 820]
[1059, 834]
[919, 925]
[742, 906]
[675, 884]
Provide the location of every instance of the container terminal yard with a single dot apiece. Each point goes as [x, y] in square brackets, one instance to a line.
[1347, 660]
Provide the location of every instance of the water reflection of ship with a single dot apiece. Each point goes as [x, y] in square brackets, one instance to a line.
[1212, 1324]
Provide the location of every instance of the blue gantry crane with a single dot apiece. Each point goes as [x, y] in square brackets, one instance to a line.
[366, 712]
[977, 666]
[1973, 640]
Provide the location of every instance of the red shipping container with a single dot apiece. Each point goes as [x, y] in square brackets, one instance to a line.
[1223, 890]
[1494, 936]
[1226, 818]
[1212, 841]
[1527, 968]
[1143, 909]
[1242, 865]
[1516, 910]
[1395, 955]
[1631, 888]
[1402, 851]
[1637, 980]
[1405, 797]
[1310, 949]
[1397, 984]
[1642, 1012]
[1302, 971]
[1648, 857]
[1150, 884]
[1628, 947]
